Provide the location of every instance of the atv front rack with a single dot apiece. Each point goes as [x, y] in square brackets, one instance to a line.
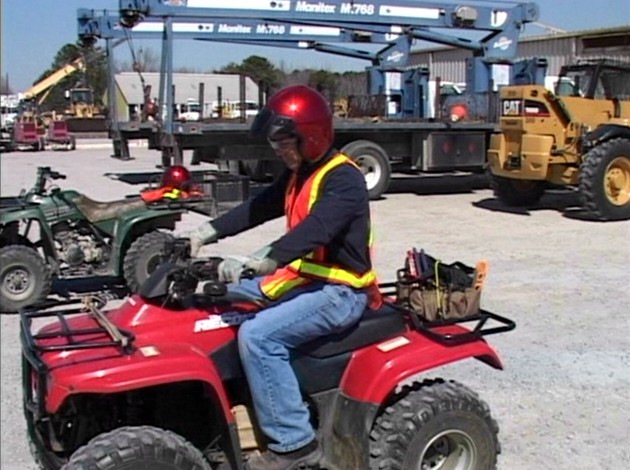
[75, 338]
[470, 328]
[35, 370]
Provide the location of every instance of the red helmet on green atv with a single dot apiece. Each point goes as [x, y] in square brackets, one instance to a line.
[176, 176]
[298, 111]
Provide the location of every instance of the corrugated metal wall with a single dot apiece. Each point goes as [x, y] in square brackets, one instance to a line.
[449, 64]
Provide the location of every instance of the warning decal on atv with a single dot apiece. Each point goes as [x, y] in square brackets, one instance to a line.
[394, 343]
[215, 322]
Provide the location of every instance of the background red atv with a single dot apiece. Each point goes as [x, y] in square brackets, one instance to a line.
[154, 384]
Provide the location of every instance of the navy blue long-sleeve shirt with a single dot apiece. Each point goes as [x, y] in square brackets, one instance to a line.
[339, 220]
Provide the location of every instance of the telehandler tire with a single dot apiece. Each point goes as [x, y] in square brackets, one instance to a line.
[435, 424]
[138, 448]
[25, 278]
[517, 193]
[373, 162]
[605, 180]
[143, 257]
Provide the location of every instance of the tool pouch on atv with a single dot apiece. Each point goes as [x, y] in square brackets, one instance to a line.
[436, 291]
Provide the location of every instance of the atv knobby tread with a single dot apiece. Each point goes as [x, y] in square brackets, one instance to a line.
[110, 450]
[43, 273]
[139, 245]
[591, 181]
[415, 406]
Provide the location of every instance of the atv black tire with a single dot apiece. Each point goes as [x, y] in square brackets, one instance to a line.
[25, 278]
[434, 424]
[517, 193]
[373, 162]
[143, 257]
[137, 448]
[605, 180]
[44, 458]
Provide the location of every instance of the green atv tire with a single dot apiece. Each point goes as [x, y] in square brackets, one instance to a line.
[25, 278]
[143, 257]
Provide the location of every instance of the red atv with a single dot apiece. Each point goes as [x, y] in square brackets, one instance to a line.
[154, 384]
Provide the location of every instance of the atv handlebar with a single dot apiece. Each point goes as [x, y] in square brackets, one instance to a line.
[179, 275]
[44, 173]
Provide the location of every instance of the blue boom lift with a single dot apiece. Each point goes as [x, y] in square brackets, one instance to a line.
[416, 145]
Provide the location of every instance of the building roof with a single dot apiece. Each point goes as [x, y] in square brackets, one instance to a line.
[187, 86]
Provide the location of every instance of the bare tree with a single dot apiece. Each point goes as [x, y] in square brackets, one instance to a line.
[143, 60]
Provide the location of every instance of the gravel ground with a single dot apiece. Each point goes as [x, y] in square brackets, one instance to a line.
[562, 400]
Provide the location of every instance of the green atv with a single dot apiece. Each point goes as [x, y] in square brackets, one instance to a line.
[48, 233]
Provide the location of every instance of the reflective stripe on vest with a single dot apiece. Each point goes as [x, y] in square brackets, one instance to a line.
[312, 266]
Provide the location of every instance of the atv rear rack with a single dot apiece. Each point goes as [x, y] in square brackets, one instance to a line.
[471, 328]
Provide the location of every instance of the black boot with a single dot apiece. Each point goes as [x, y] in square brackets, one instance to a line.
[303, 458]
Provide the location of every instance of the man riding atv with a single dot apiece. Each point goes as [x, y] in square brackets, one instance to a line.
[318, 276]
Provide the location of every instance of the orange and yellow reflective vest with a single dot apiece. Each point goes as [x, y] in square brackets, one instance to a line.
[313, 266]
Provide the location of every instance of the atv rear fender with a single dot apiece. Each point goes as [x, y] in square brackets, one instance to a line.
[376, 371]
[136, 223]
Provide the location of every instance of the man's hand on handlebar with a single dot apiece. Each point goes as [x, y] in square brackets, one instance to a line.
[234, 268]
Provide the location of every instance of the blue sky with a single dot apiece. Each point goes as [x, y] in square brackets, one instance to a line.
[34, 30]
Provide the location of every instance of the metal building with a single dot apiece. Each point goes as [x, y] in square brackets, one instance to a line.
[130, 95]
[558, 48]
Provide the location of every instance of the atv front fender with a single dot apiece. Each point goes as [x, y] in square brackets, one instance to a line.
[147, 366]
[374, 372]
[30, 215]
[135, 223]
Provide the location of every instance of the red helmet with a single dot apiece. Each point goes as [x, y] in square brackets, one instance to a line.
[176, 176]
[301, 111]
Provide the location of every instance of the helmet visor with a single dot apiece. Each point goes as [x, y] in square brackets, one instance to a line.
[268, 124]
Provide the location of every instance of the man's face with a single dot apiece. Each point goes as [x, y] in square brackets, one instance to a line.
[286, 147]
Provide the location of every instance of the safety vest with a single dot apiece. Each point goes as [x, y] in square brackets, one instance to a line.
[313, 266]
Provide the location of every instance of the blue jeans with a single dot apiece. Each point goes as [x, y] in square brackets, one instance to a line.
[303, 314]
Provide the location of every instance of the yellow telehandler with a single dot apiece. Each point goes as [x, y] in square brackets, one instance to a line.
[577, 136]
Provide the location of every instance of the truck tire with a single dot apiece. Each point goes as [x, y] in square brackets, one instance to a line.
[605, 180]
[143, 257]
[137, 448]
[517, 193]
[435, 424]
[25, 278]
[374, 164]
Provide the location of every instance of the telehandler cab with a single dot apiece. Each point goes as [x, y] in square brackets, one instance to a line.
[578, 136]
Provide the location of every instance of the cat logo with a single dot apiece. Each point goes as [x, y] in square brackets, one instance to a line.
[511, 107]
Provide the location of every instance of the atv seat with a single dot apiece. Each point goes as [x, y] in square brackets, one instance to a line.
[96, 211]
[320, 364]
[375, 326]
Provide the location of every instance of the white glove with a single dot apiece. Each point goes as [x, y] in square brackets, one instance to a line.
[231, 267]
[202, 235]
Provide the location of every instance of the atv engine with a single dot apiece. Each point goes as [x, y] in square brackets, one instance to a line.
[78, 245]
